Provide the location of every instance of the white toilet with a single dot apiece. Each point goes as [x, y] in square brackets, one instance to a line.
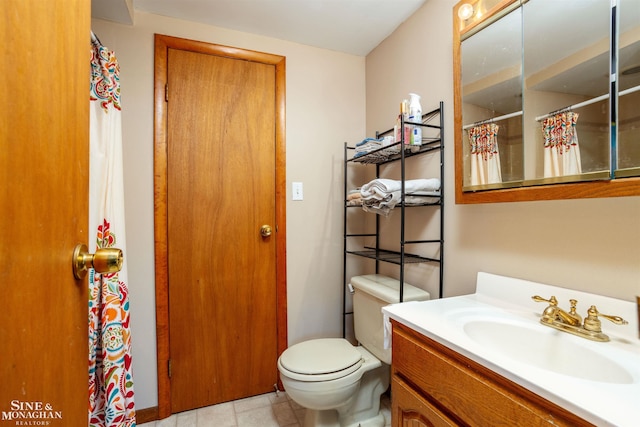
[339, 384]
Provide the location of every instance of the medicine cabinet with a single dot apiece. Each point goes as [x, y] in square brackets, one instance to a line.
[546, 97]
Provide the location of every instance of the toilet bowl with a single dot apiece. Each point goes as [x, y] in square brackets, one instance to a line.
[340, 384]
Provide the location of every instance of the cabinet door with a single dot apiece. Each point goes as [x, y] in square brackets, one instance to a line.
[409, 409]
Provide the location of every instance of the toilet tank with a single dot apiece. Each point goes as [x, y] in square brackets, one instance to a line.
[372, 292]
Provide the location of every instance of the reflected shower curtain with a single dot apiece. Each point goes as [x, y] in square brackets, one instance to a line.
[561, 150]
[485, 159]
[110, 378]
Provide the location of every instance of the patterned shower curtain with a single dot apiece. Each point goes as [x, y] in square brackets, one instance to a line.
[485, 158]
[110, 378]
[561, 150]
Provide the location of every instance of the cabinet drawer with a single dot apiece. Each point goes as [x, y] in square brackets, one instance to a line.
[467, 391]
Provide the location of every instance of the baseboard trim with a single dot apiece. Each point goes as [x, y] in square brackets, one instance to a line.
[146, 415]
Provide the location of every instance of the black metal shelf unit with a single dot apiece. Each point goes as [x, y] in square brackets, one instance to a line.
[379, 158]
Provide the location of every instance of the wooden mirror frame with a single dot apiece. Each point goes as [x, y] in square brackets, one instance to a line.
[619, 187]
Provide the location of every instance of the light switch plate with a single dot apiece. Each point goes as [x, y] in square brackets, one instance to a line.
[296, 188]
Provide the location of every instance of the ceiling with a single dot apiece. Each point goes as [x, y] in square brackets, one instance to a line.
[350, 26]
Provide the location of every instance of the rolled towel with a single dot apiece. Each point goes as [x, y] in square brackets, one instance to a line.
[385, 206]
[420, 200]
[376, 208]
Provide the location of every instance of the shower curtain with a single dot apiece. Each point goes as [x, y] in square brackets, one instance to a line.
[111, 400]
[561, 150]
[485, 158]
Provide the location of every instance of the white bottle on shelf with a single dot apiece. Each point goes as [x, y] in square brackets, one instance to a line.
[415, 115]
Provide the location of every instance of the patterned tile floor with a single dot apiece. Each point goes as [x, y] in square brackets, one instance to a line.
[267, 410]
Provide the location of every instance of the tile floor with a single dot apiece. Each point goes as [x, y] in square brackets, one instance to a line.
[267, 410]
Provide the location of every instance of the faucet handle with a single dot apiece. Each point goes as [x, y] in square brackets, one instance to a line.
[551, 301]
[592, 322]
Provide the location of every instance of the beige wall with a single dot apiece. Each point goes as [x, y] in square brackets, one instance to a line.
[590, 245]
[325, 106]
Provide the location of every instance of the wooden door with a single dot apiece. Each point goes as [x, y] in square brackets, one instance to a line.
[221, 178]
[44, 157]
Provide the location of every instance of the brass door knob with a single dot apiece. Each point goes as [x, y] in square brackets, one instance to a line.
[105, 260]
[265, 230]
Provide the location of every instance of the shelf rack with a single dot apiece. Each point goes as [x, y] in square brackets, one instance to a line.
[380, 157]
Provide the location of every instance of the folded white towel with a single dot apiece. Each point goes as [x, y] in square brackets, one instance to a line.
[380, 188]
[382, 195]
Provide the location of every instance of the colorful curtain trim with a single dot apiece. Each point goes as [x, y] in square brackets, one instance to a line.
[560, 131]
[562, 152]
[105, 77]
[485, 158]
[484, 140]
[111, 395]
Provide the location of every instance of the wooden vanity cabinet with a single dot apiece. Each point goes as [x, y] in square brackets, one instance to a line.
[433, 385]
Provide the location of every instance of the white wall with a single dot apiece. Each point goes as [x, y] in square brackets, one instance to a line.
[590, 245]
[325, 106]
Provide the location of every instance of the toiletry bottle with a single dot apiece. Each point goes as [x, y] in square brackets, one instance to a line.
[396, 128]
[401, 125]
[415, 115]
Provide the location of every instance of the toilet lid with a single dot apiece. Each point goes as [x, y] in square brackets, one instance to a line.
[322, 357]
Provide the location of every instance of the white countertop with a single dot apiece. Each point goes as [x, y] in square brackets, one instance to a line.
[602, 401]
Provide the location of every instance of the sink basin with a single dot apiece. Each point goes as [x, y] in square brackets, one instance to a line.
[499, 327]
[552, 350]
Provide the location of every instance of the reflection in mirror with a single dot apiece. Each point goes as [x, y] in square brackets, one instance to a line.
[566, 90]
[491, 63]
[628, 124]
[566, 65]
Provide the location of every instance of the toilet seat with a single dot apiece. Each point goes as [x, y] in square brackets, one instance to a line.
[322, 359]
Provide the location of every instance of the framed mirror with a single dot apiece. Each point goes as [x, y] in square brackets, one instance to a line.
[536, 99]
[628, 125]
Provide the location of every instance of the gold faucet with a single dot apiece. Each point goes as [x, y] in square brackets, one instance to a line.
[572, 322]
[554, 313]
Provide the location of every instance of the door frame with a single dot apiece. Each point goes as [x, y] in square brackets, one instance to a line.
[162, 44]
